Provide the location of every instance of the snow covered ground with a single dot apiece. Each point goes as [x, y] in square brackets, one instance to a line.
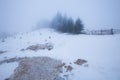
[102, 53]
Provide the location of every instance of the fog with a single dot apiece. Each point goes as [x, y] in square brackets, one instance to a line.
[23, 15]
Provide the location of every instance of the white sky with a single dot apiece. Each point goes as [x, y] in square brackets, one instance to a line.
[20, 15]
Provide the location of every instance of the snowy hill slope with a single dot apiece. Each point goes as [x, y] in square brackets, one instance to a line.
[101, 52]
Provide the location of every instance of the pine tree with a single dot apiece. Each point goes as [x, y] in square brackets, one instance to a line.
[78, 26]
[70, 25]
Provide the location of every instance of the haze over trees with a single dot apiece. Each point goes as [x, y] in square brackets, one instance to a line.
[67, 24]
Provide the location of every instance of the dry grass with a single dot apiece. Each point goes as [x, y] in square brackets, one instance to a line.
[80, 61]
[39, 68]
[48, 46]
[11, 60]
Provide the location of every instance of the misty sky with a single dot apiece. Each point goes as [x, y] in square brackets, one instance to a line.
[21, 15]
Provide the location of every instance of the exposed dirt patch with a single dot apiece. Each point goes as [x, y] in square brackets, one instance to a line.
[80, 61]
[48, 46]
[38, 68]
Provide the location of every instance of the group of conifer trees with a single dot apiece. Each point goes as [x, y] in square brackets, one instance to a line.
[67, 24]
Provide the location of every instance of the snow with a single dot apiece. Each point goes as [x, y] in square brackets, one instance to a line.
[7, 69]
[101, 51]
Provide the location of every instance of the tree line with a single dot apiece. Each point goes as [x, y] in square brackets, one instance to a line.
[67, 24]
